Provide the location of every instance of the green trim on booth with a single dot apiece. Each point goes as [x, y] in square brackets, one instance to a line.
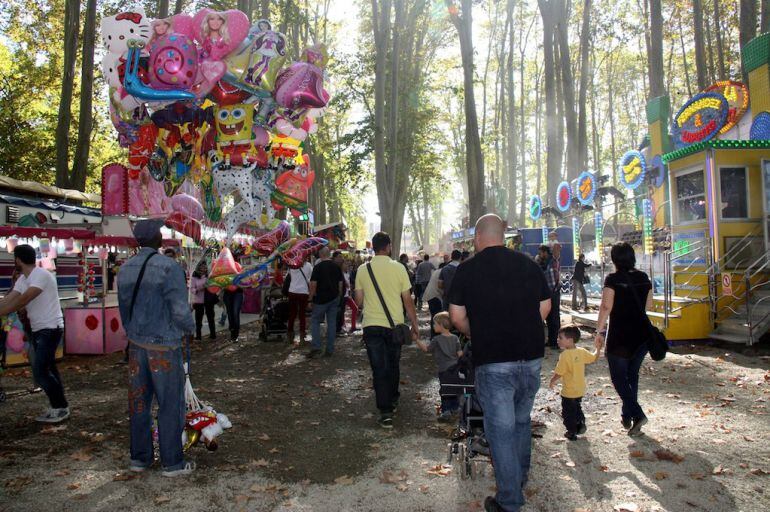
[715, 144]
[756, 52]
[659, 109]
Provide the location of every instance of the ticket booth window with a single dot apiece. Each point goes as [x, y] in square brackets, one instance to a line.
[734, 194]
[690, 197]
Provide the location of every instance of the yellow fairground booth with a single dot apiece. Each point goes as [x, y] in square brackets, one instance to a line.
[717, 162]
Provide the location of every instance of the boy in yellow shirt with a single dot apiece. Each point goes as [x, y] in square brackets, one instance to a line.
[571, 370]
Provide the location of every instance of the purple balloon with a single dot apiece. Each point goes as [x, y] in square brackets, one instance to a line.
[300, 86]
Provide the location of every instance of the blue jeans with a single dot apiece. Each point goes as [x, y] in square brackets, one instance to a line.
[157, 373]
[233, 302]
[45, 343]
[385, 359]
[328, 310]
[625, 377]
[507, 392]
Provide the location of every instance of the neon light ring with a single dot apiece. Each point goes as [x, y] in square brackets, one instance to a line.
[535, 207]
[632, 169]
[700, 119]
[563, 196]
[585, 190]
[657, 171]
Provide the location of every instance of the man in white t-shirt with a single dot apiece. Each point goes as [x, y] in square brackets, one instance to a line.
[299, 284]
[37, 292]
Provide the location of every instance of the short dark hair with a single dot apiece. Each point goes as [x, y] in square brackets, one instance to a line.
[426, 257]
[168, 251]
[456, 255]
[336, 253]
[26, 253]
[571, 331]
[380, 241]
[544, 248]
[582, 256]
[623, 257]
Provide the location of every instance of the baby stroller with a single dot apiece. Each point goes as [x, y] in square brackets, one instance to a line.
[275, 315]
[469, 447]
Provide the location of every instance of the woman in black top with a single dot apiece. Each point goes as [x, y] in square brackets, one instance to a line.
[626, 296]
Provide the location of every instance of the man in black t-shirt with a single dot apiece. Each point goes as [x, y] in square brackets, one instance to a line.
[500, 298]
[325, 291]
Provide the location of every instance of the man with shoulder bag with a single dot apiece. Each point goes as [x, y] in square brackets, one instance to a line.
[384, 289]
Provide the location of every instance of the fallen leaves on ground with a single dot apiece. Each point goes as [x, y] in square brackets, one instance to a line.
[16, 484]
[343, 480]
[261, 463]
[424, 488]
[82, 455]
[638, 454]
[664, 454]
[440, 470]
[122, 477]
[52, 429]
[159, 500]
[661, 475]
[389, 477]
[264, 437]
[626, 507]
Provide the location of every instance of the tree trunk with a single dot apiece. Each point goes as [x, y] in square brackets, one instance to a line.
[764, 25]
[553, 124]
[512, 136]
[179, 5]
[709, 50]
[655, 57]
[720, 47]
[684, 59]
[71, 29]
[474, 159]
[264, 9]
[700, 47]
[748, 21]
[381, 30]
[568, 91]
[585, 73]
[85, 122]
[162, 9]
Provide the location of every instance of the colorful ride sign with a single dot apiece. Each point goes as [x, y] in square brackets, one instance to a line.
[535, 207]
[563, 196]
[737, 96]
[585, 188]
[700, 119]
[632, 169]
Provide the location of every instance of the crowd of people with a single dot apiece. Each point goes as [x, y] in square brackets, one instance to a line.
[496, 300]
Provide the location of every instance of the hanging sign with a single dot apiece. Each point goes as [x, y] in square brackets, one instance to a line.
[632, 169]
[585, 188]
[576, 237]
[563, 196]
[545, 234]
[700, 119]
[535, 207]
[737, 96]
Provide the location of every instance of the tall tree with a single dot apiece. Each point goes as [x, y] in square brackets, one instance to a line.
[513, 141]
[553, 123]
[764, 25]
[720, 48]
[462, 19]
[567, 89]
[585, 74]
[700, 46]
[747, 21]
[162, 9]
[655, 51]
[71, 29]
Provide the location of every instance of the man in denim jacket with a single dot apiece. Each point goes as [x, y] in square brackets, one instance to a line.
[156, 318]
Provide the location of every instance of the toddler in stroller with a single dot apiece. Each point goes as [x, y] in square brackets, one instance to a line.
[275, 315]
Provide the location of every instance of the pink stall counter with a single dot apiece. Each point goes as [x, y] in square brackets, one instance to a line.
[93, 329]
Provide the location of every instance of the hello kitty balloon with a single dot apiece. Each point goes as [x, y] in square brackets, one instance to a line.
[119, 29]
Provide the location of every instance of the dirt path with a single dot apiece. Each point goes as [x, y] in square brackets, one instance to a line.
[304, 439]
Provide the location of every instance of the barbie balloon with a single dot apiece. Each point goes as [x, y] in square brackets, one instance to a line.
[188, 205]
[219, 32]
[114, 190]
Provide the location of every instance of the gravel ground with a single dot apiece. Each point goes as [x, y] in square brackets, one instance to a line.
[304, 438]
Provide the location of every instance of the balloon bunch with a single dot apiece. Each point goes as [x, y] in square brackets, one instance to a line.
[209, 101]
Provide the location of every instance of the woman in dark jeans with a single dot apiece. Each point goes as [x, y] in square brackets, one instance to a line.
[626, 296]
[233, 299]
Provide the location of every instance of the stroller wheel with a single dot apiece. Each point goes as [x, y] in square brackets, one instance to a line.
[463, 462]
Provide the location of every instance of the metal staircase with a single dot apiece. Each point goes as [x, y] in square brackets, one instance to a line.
[745, 316]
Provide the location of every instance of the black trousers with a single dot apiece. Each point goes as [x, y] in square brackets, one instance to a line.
[200, 309]
[554, 318]
[385, 359]
[572, 413]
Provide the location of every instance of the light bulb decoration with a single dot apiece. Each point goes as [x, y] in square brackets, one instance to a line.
[737, 96]
[647, 238]
[563, 196]
[700, 119]
[585, 188]
[632, 169]
[535, 207]
[576, 237]
[599, 226]
[545, 235]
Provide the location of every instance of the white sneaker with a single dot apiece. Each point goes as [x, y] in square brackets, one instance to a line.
[188, 468]
[54, 415]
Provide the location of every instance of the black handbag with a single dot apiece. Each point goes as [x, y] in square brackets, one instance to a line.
[402, 335]
[657, 343]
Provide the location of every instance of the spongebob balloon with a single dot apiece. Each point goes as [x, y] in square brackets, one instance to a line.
[234, 136]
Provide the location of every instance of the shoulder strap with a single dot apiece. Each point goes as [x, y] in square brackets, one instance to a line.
[632, 291]
[379, 294]
[304, 277]
[136, 285]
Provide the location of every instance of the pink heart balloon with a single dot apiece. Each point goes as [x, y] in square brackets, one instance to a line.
[300, 86]
[209, 73]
